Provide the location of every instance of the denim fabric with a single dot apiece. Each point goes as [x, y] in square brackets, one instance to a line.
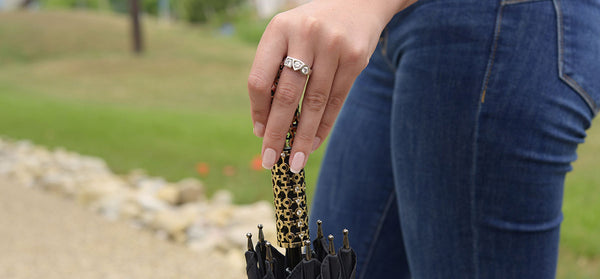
[449, 157]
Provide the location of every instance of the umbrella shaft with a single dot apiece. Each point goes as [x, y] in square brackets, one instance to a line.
[293, 256]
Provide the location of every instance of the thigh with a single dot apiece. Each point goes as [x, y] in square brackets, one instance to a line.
[483, 133]
[355, 187]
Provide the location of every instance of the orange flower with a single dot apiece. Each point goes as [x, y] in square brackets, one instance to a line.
[256, 163]
[202, 168]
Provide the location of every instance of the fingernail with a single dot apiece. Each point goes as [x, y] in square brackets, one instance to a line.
[259, 129]
[316, 142]
[268, 159]
[297, 162]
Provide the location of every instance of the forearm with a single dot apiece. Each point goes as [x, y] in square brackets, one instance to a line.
[383, 9]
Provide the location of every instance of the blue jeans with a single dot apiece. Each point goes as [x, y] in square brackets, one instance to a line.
[449, 157]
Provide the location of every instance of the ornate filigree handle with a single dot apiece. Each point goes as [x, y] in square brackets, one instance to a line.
[289, 191]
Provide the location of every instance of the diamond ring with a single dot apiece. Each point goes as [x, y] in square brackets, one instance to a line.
[297, 65]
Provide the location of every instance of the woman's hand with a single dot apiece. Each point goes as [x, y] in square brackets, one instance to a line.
[336, 39]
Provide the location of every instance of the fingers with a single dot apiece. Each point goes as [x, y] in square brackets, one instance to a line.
[269, 54]
[285, 101]
[313, 105]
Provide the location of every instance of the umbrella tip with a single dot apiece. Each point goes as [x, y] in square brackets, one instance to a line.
[250, 245]
[269, 255]
[307, 248]
[319, 229]
[331, 247]
[346, 240]
[261, 235]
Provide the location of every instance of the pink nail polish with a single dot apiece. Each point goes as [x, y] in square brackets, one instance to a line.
[297, 162]
[268, 159]
[259, 129]
[316, 143]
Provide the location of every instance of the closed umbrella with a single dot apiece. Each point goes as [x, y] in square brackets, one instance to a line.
[308, 268]
[347, 258]
[331, 268]
[291, 213]
[320, 243]
[340, 265]
[252, 260]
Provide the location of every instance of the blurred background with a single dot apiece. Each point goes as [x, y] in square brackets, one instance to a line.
[163, 89]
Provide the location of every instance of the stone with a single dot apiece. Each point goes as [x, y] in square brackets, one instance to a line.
[305, 70]
[96, 189]
[297, 65]
[258, 212]
[198, 230]
[213, 242]
[174, 222]
[169, 194]
[190, 190]
[57, 181]
[109, 206]
[134, 176]
[130, 210]
[150, 203]
[222, 197]
[177, 212]
[219, 216]
[150, 185]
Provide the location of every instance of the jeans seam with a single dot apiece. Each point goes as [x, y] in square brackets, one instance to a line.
[377, 234]
[564, 77]
[475, 145]
[488, 70]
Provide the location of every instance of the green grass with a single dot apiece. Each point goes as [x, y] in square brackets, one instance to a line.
[68, 79]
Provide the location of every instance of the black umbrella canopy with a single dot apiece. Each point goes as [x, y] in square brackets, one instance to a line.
[275, 262]
[320, 243]
[347, 258]
[331, 268]
[252, 260]
[264, 261]
[308, 268]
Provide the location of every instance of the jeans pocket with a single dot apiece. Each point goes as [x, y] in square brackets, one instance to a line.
[579, 48]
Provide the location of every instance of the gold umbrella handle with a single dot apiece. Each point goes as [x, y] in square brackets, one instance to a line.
[289, 191]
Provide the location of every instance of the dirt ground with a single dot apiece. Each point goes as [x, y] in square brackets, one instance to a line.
[43, 235]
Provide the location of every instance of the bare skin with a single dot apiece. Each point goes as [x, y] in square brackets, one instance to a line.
[336, 38]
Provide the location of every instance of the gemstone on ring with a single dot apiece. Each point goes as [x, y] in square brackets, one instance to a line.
[305, 70]
[298, 64]
[288, 62]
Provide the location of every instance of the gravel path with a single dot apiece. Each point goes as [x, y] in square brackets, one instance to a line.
[45, 236]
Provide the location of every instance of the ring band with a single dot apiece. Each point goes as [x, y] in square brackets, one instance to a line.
[297, 65]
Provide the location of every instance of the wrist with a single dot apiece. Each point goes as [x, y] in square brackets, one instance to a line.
[382, 10]
[388, 8]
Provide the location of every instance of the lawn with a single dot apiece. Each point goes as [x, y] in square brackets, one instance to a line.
[67, 79]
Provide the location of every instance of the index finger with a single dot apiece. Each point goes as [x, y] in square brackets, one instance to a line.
[269, 54]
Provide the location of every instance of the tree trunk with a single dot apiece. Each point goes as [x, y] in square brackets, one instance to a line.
[134, 11]
[26, 3]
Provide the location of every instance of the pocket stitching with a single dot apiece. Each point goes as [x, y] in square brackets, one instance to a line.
[564, 77]
[512, 2]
